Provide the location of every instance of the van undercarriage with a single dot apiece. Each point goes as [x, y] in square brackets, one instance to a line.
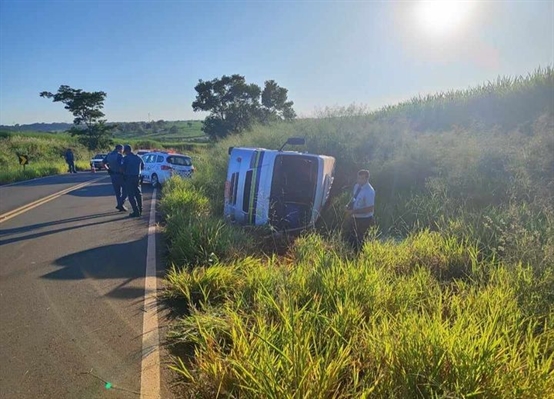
[292, 191]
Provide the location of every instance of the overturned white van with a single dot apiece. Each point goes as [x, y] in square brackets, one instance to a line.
[285, 189]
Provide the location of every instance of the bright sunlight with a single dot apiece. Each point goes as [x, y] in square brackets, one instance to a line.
[443, 17]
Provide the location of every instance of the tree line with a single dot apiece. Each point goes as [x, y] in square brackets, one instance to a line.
[234, 106]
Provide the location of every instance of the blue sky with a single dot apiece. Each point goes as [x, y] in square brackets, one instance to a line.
[149, 55]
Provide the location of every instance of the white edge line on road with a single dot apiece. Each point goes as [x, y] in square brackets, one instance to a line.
[41, 201]
[150, 365]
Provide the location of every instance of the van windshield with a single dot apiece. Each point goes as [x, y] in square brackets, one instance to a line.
[293, 190]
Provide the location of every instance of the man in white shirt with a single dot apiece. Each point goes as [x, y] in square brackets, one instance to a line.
[360, 210]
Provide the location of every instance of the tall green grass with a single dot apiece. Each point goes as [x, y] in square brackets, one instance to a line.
[45, 152]
[452, 295]
[318, 325]
[194, 236]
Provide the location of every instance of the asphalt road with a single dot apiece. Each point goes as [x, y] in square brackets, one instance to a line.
[71, 292]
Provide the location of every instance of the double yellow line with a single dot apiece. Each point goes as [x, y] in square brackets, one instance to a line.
[34, 204]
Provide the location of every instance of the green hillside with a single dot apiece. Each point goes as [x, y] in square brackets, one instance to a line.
[452, 295]
[162, 131]
[45, 152]
[46, 149]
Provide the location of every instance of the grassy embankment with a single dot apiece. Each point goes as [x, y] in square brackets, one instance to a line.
[452, 295]
[45, 153]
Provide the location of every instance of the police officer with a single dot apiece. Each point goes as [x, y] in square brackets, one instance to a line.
[360, 210]
[131, 167]
[70, 160]
[113, 162]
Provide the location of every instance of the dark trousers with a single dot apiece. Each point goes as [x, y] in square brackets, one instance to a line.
[119, 188]
[71, 166]
[132, 184]
[357, 231]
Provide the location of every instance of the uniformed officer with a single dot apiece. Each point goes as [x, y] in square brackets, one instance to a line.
[360, 210]
[113, 162]
[131, 167]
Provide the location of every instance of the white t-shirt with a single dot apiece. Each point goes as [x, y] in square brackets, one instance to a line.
[365, 198]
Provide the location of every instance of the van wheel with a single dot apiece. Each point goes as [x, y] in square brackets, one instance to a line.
[155, 181]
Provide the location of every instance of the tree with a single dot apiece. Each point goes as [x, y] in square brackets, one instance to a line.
[86, 108]
[235, 106]
[275, 104]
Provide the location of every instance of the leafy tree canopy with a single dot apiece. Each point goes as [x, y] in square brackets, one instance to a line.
[86, 108]
[235, 105]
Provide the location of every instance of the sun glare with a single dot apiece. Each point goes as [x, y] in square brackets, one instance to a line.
[443, 17]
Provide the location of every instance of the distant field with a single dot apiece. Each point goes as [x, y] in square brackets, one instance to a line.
[178, 131]
[160, 131]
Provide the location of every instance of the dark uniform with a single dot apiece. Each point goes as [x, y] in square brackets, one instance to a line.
[131, 167]
[70, 160]
[114, 161]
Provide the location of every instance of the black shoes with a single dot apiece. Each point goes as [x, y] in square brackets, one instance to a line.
[121, 208]
[135, 215]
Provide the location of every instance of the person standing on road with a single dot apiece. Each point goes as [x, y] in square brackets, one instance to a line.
[70, 160]
[131, 167]
[360, 210]
[113, 162]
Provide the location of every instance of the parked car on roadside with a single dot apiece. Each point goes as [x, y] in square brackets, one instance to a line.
[159, 166]
[96, 161]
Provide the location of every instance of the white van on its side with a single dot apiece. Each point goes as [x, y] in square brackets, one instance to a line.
[285, 189]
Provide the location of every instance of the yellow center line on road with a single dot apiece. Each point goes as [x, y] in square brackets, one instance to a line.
[34, 204]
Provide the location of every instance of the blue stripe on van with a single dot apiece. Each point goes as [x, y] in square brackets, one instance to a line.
[257, 186]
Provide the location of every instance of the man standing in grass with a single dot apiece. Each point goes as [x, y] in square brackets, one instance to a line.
[360, 210]
[70, 160]
[131, 167]
[113, 162]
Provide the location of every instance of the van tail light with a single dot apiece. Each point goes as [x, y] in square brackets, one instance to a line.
[165, 167]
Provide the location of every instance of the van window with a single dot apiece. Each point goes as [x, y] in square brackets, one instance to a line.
[179, 160]
[246, 194]
[234, 187]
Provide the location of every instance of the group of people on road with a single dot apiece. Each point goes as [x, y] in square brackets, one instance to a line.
[125, 174]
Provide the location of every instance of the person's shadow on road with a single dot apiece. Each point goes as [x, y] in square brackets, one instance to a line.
[125, 261]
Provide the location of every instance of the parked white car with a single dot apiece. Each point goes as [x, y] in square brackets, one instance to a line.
[159, 166]
[97, 161]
